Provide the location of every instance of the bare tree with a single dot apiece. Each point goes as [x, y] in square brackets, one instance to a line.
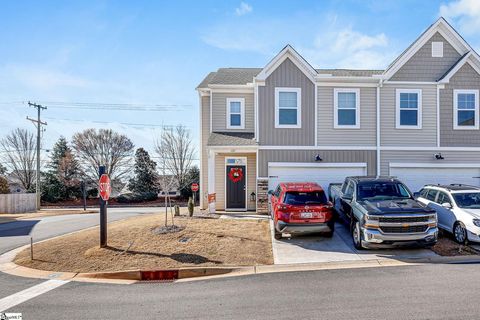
[176, 152]
[18, 149]
[103, 147]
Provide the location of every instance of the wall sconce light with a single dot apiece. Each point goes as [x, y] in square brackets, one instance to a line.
[253, 196]
[317, 158]
[438, 156]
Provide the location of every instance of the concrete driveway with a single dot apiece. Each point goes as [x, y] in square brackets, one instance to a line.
[315, 248]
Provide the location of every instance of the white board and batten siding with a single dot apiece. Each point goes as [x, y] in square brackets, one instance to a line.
[321, 173]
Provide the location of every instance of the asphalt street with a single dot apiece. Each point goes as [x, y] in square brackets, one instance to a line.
[410, 292]
[434, 291]
[17, 233]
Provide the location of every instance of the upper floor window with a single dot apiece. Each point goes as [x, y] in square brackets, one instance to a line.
[346, 108]
[465, 109]
[409, 109]
[288, 109]
[235, 113]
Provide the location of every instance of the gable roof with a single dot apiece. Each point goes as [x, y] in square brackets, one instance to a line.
[441, 26]
[469, 58]
[287, 53]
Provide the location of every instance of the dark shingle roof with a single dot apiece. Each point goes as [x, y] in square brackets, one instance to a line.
[230, 76]
[349, 72]
[231, 139]
[453, 66]
[242, 76]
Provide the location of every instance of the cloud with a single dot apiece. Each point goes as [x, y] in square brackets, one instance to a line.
[464, 13]
[347, 48]
[327, 41]
[243, 9]
[43, 78]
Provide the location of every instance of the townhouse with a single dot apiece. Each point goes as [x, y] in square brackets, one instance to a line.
[418, 120]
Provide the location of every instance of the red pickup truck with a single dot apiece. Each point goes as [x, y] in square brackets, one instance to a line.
[300, 208]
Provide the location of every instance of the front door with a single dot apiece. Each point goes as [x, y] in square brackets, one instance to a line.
[236, 186]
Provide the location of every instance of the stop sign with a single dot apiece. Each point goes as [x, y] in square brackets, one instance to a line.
[194, 187]
[104, 187]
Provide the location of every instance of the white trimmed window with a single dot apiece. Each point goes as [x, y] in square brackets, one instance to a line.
[465, 109]
[288, 108]
[408, 109]
[235, 113]
[346, 108]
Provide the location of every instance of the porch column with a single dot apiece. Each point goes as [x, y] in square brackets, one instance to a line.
[211, 174]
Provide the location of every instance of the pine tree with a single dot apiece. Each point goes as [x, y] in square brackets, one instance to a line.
[145, 176]
[4, 188]
[61, 181]
[3, 170]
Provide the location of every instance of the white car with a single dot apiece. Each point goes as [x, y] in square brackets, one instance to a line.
[458, 209]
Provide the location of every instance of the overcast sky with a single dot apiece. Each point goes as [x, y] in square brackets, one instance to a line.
[151, 53]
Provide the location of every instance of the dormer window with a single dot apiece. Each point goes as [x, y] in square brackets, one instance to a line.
[235, 113]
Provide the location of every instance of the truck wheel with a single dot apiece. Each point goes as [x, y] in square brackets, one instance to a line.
[357, 235]
[459, 232]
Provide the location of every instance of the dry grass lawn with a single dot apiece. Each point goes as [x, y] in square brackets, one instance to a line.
[203, 242]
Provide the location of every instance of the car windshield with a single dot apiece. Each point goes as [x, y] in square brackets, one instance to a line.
[467, 199]
[301, 198]
[381, 190]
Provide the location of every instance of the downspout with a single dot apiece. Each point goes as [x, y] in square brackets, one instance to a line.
[211, 103]
[380, 84]
[438, 116]
[201, 150]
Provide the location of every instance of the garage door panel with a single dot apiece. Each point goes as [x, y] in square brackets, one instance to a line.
[416, 178]
[321, 175]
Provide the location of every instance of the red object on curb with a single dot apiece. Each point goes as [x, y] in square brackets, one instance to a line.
[194, 187]
[159, 275]
[104, 187]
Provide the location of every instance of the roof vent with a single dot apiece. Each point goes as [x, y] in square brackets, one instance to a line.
[437, 49]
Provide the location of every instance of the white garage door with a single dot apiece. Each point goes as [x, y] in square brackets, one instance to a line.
[321, 173]
[415, 176]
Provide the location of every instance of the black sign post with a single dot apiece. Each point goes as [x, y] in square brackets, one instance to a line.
[103, 215]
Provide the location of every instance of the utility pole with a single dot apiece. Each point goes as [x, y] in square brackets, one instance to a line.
[38, 123]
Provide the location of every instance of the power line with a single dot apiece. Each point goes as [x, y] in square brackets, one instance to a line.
[154, 107]
[39, 123]
[122, 123]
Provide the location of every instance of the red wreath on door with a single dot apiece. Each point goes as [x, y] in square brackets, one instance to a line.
[235, 174]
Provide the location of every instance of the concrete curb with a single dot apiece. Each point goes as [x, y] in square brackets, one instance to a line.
[203, 273]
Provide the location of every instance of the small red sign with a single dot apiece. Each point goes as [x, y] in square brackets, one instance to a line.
[194, 187]
[104, 187]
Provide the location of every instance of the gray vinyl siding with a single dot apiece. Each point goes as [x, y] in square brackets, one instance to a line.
[219, 108]
[220, 176]
[423, 67]
[336, 156]
[465, 78]
[364, 136]
[205, 132]
[390, 136]
[286, 75]
[451, 157]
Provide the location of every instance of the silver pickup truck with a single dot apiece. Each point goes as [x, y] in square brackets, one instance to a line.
[382, 212]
